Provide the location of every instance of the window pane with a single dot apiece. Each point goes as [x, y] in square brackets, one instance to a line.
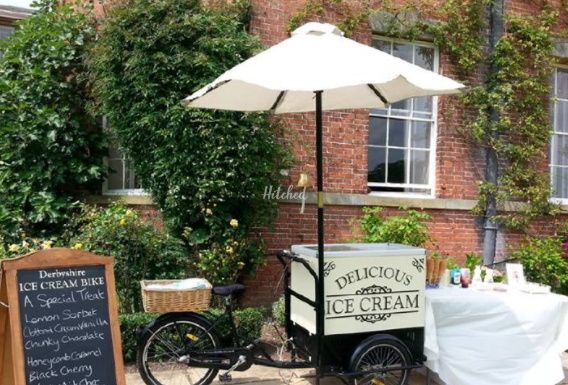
[403, 51]
[382, 45]
[401, 108]
[397, 166]
[114, 152]
[424, 57]
[561, 121]
[5, 31]
[562, 84]
[132, 181]
[378, 131]
[397, 133]
[560, 150]
[420, 136]
[423, 107]
[377, 158]
[560, 182]
[379, 111]
[114, 179]
[419, 165]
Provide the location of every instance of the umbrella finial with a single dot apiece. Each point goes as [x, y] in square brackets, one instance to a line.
[317, 29]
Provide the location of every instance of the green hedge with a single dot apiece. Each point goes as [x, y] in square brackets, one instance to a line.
[129, 324]
[249, 322]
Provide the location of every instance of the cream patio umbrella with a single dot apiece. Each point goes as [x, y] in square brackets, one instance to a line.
[318, 69]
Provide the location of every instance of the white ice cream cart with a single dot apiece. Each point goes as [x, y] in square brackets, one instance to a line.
[373, 306]
[368, 288]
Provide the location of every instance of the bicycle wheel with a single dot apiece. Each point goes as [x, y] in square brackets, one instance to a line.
[163, 352]
[380, 352]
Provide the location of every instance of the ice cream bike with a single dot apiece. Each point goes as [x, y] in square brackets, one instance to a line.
[354, 311]
[369, 327]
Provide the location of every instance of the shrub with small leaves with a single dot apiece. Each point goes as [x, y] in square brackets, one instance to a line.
[407, 229]
[202, 167]
[543, 262]
[50, 148]
[140, 250]
[129, 325]
[248, 321]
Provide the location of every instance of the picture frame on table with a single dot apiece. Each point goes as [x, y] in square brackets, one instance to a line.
[515, 274]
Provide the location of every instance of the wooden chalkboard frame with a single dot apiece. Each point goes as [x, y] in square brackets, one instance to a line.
[12, 359]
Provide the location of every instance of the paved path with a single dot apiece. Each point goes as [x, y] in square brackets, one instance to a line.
[269, 376]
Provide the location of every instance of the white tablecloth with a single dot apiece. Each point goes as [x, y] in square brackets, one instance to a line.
[495, 338]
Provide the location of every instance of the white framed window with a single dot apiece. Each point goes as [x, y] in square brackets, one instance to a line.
[559, 140]
[121, 179]
[402, 137]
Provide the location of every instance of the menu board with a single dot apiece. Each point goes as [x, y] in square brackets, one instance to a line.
[59, 320]
[65, 325]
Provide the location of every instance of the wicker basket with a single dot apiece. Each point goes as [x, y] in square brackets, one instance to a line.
[179, 300]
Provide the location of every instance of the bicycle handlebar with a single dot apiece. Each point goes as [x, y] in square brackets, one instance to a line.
[285, 254]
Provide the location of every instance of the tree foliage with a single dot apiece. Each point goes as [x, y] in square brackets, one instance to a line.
[203, 168]
[410, 228]
[49, 150]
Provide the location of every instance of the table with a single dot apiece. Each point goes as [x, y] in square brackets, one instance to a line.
[495, 338]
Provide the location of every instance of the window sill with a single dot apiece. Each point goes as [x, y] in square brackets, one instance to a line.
[401, 195]
[422, 202]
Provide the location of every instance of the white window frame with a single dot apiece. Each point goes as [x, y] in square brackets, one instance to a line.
[433, 136]
[562, 201]
[123, 191]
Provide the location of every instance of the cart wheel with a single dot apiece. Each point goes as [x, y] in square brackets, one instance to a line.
[381, 352]
[162, 350]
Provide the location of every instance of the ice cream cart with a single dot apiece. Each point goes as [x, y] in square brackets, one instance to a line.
[373, 292]
[368, 327]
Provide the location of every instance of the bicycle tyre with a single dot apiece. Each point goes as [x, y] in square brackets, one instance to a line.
[172, 337]
[378, 352]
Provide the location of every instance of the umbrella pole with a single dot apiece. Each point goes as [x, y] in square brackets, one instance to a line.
[320, 316]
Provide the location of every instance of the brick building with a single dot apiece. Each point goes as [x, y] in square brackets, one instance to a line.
[409, 155]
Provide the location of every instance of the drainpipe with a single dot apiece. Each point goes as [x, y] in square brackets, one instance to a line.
[496, 29]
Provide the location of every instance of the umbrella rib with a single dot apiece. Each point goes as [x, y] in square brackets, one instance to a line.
[378, 93]
[278, 100]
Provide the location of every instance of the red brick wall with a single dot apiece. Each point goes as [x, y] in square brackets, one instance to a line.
[459, 164]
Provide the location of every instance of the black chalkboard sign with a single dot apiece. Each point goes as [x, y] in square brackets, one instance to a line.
[66, 326]
[59, 320]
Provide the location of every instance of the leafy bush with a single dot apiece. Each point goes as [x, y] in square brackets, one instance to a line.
[407, 229]
[232, 253]
[50, 149]
[249, 323]
[543, 262]
[27, 245]
[140, 250]
[203, 168]
[129, 325]
[279, 311]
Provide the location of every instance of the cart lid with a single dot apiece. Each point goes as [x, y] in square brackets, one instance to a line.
[342, 250]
